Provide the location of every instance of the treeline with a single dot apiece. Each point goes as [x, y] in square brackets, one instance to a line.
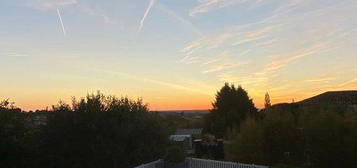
[105, 131]
[286, 135]
[313, 136]
[172, 122]
[96, 131]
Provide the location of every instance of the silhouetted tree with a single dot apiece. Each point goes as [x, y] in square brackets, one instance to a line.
[12, 136]
[231, 106]
[101, 131]
[267, 100]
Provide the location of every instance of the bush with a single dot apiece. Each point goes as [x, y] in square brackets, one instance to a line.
[175, 154]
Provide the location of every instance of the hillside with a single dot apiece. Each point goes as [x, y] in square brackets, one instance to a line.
[348, 98]
[333, 97]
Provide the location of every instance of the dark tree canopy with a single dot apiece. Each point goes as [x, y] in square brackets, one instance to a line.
[101, 131]
[96, 131]
[12, 130]
[231, 106]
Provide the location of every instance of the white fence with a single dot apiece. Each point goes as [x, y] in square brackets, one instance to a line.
[203, 163]
[154, 164]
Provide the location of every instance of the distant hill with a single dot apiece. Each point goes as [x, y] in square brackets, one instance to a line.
[183, 114]
[184, 111]
[348, 97]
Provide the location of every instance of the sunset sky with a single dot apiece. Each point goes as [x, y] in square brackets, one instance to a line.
[175, 54]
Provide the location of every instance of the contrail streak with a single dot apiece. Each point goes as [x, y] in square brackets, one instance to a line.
[60, 18]
[152, 3]
[173, 15]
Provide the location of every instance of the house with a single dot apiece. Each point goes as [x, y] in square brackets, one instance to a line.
[194, 132]
[186, 137]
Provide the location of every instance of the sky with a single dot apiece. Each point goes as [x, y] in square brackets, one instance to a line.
[175, 54]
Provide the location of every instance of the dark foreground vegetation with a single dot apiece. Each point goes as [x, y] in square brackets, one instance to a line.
[108, 132]
[96, 131]
[318, 134]
[304, 136]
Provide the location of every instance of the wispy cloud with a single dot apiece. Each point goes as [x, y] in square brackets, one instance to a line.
[255, 35]
[97, 12]
[320, 80]
[13, 54]
[190, 60]
[242, 80]
[179, 18]
[142, 21]
[215, 52]
[56, 5]
[210, 61]
[208, 5]
[233, 37]
[211, 5]
[154, 81]
[224, 66]
[51, 4]
[349, 82]
[293, 32]
[281, 62]
[208, 42]
[61, 22]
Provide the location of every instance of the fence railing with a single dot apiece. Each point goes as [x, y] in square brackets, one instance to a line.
[203, 163]
[155, 164]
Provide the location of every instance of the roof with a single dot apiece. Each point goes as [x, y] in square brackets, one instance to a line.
[179, 137]
[195, 131]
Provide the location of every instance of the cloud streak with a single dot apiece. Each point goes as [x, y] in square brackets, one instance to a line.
[148, 9]
[13, 54]
[79, 6]
[320, 80]
[290, 35]
[349, 82]
[180, 19]
[153, 81]
[211, 5]
[61, 22]
[51, 4]
[224, 66]
[208, 5]
[280, 63]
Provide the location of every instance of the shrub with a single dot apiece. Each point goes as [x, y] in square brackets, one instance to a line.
[175, 154]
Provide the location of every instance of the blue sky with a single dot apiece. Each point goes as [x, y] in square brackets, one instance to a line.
[175, 54]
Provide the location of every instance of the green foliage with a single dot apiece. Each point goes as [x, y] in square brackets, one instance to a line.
[175, 154]
[232, 106]
[305, 136]
[96, 131]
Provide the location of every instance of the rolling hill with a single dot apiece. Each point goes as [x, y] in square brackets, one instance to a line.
[348, 97]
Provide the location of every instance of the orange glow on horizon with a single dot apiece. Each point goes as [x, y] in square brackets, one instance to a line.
[181, 101]
[156, 105]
